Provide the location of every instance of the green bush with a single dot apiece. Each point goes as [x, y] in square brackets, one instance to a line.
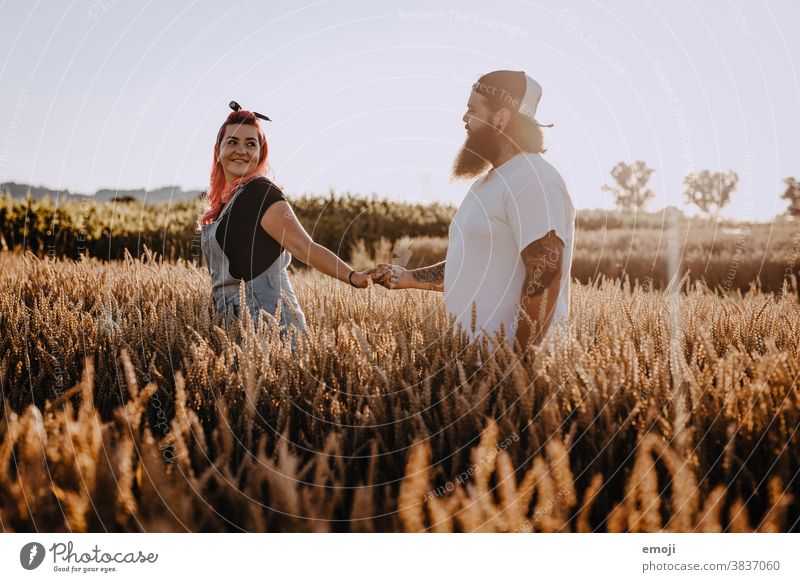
[609, 243]
[106, 230]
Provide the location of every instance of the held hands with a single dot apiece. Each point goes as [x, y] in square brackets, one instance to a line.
[390, 276]
[361, 279]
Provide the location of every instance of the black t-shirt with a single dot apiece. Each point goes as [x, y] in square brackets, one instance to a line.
[250, 250]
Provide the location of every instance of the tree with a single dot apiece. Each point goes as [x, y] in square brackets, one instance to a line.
[630, 189]
[710, 191]
[792, 194]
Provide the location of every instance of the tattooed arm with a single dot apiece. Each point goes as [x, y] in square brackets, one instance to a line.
[543, 262]
[396, 277]
[430, 278]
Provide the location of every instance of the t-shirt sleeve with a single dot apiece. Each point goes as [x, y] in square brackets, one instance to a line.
[533, 210]
[257, 196]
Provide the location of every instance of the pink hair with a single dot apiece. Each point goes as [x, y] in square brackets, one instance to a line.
[220, 191]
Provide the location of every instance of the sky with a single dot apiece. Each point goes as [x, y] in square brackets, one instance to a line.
[368, 97]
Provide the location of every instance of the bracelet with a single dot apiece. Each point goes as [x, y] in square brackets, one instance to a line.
[350, 275]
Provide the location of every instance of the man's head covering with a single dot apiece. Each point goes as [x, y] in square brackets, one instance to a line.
[511, 89]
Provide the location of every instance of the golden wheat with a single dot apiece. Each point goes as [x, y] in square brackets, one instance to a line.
[127, 406]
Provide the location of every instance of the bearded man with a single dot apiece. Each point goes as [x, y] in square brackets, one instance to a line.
[511, 241]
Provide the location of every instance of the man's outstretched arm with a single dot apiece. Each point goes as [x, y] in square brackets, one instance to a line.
[430, 278]
[543, 260]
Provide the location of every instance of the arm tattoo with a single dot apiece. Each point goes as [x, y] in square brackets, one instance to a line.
[434, 275]
[542, 259]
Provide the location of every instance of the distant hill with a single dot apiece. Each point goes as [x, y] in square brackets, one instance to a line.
[163, 194]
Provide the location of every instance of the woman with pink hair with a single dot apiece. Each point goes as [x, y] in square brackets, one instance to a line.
[249, 233]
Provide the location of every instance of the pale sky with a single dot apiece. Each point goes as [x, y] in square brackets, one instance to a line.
[368, 97]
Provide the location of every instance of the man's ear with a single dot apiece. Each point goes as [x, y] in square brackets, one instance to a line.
[501, 119]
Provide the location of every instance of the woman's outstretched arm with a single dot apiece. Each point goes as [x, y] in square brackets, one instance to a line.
[280, 222]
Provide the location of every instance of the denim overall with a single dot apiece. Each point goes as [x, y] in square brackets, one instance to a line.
[262, 292]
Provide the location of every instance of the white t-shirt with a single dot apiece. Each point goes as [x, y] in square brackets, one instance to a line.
[504, 211]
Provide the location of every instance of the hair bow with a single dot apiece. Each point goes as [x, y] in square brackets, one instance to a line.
[236, 107]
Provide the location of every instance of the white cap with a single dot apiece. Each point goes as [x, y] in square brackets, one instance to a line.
[505, 88]
[530, 101]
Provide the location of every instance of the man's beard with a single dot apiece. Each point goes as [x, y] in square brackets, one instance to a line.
[476, 155]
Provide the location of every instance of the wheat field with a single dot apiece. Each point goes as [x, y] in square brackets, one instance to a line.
[127, 407]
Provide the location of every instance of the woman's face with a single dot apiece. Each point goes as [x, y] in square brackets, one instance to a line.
[239, 151]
